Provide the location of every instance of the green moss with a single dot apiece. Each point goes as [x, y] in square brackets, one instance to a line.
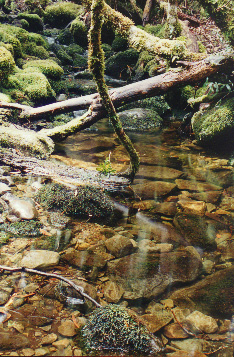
[64, 57]
[79, 32]
[122, 63]
[12, 40]
[65, 37]
[60, 14]
[49, 68]
[7, 63]
[84, 201]
[4, 238]
[113, 329]
[119, 44]
[158, 104]
[107, 50]
[156, 30]
[36, 51]
[23, 228]
[201, 47]
[216, 125]
[34, 21]
[24, 24]
[74, 50]
[80, 61]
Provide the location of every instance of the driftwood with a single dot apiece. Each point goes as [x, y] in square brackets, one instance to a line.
[59, 172]
[192, 19]
[79, 289]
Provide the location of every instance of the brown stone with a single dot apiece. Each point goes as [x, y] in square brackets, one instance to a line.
[83, 259]
[196, 186]
[175, 331]
[112, 291]
[119, 246]
[188, 206]
[154, 189]
[67, 328]
[186, 354]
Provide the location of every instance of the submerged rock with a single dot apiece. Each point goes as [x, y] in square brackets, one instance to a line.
[140, 119]
[12, 341]
[112, 328]
[85, 201]
[40, 259]
[212, 296]
[24, 228]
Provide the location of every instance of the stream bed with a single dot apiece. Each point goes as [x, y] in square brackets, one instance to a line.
[168, 258]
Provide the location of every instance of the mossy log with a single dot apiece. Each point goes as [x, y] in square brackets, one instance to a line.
[189, 73]
[141, 40]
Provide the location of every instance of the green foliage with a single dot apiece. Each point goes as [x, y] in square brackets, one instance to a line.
[79, 32]
[74, 50]
[85, 201]
[60, 14]
[65, 37]
[7, 63]
[34, 21]
[112, 328]
[156, 30]
[107, 50]
[49, 68]
[106, 168]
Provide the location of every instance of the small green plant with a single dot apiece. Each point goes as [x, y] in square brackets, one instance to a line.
[105, 167]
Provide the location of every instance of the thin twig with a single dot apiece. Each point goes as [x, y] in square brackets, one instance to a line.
[79, 289]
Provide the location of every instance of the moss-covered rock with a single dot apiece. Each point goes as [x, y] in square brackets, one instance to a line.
[74, 50]
[27, 141]
[4, 238]
[84, 201]
[112, 328]
[34, 21]
[79, 32]
[65, 37]
[7, 63]
[107, 50]
[140, 119]
[49, 68]
[23, 228]
[60, 14]
[122, 63]
[215, 126]
[119, 44]
[156, 30]
[158, 104]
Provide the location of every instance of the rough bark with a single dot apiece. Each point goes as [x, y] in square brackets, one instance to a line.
[146, 13]
[97, 66]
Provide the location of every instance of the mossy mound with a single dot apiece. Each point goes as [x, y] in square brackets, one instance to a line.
[23, 228]
[156, 30]
[21, 41]
[7, 62]
[112, 328]
[158, 104]
[74, 50]
[85, 201]
[60, 14]
[122, 63]
[4, 238]
[34, 21]
[49, 68]
[119, 44]
[65, 37]
[215, 126]
[139, 119]
[32, 83]
[79, 32]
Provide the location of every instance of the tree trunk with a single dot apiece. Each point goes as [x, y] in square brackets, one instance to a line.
[97, 66]
[146, 13]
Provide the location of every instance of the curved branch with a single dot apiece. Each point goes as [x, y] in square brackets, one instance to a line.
[79, 289]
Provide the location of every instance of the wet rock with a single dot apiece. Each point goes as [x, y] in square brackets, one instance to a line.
[162, 233]
[175, 331]
[67, 328]
[18, 326]
[64, 343]
[4, 188]
[83, 259]
[23, 208]
[186, 354]
[155, 189]
[165, 208]
[227, 203]
[119, 246]
[198, 322]
[196, 186]
[34, 315]
[206, 196]
[28, 352]
[189, 345]
[12, 341]
[40, 259]
[140, 119]
[158, 173]
[188, 206]
[112, 291]
[144, 205]
[148, 276]
[211, 296]
[58, 220]
[157, 317]
[49, 339]
[146, 245]
[196, 230]
[42, 351]
[5, 292]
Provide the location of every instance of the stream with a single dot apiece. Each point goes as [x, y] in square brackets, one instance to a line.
[169, 258]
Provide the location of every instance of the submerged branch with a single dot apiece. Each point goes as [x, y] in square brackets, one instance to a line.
[79, 289]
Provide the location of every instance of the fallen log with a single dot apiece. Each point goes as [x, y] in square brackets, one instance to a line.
[61, 173]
